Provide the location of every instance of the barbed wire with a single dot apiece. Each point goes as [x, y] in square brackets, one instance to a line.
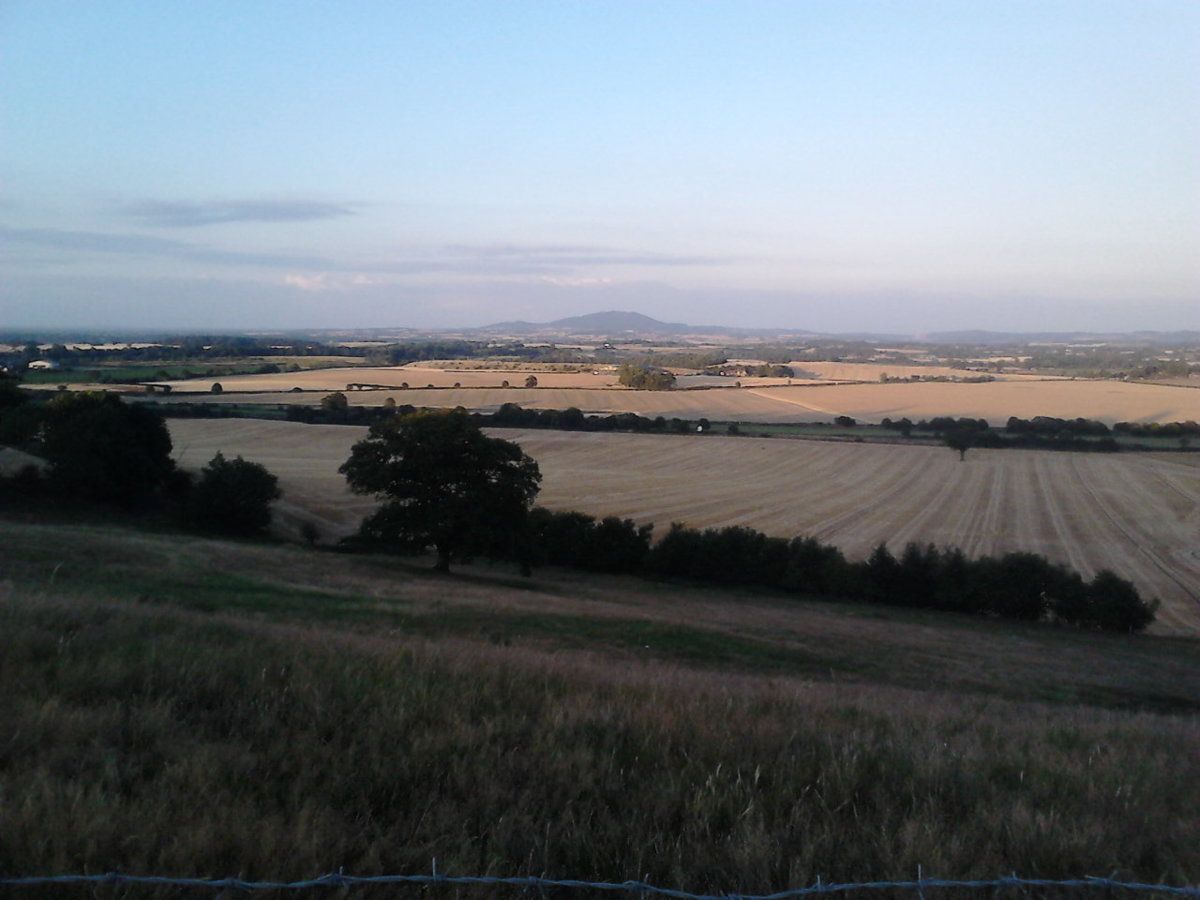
[340, 879]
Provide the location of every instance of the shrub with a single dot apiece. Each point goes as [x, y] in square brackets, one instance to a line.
[233, 497]
[1114, 604]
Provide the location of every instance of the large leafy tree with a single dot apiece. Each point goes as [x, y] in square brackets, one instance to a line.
[445, 485]
[101, 448]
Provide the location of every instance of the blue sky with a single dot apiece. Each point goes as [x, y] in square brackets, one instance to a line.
[841, 166]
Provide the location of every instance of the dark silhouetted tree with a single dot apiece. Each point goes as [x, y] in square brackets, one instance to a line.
[101, 448]
[959, 439]
[444, 485]
[233, 496]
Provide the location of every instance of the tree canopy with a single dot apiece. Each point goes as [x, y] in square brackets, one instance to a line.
[645, 378]
[445, 485]
[233, 496]
[104, 449]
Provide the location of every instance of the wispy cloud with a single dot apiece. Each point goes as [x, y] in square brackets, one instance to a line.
[333, 281]
[576, 255]
[185, 214]
[534, 260]
[148, 245]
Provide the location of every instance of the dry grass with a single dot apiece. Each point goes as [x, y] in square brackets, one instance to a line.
[176, 705]
[1136, 514]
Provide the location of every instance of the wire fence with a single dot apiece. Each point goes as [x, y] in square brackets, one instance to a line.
[340, 880]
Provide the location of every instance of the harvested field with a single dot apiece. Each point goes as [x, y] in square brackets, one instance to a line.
[1108, 401]
[1136, 514]
[418, 376]
[479, 374]
[836, 371]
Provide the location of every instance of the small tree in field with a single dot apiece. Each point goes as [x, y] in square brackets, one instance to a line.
[445, 485]
[960, 440]
[233, 496]
[335, 402]
[216, 388]
[531, 381]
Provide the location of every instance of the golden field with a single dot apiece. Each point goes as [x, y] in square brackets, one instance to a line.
[487, 374]
[843, 371]
[415, 375]
[1108, 401]
[1137, 514]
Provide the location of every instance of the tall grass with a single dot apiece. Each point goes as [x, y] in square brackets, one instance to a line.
[152, 739]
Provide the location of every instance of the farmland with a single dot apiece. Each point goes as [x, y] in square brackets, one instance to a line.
[1107, 401]
[490, 374]
[1136, 514]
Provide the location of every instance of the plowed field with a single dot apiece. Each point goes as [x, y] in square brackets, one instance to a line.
[1136, 514]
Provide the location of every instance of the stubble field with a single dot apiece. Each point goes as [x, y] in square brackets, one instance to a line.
[1136, 514]
[1107, 401]
[415, 375]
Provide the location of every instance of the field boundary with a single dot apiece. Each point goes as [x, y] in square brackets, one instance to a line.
[339, 880]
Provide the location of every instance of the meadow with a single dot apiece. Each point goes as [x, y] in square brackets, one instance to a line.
[205, 707]
[1134, 513]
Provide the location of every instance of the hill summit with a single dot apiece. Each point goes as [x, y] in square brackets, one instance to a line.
[601, 323]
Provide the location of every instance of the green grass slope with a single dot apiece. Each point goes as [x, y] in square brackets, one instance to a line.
[175, 705]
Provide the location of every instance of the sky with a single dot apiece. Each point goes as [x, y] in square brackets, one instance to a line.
[835, 166]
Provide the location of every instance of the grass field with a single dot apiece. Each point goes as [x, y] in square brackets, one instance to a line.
[200, 707]
[1107, 401]
[1136, 514]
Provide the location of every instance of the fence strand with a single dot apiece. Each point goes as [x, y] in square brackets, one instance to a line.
[339, 879]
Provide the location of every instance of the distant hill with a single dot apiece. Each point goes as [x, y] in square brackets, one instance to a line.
[600, 323]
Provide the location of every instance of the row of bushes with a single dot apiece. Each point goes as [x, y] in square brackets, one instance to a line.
[511, 415]
[1154, 429]
[1050, 425]
[1013, 586]
[1039, 433]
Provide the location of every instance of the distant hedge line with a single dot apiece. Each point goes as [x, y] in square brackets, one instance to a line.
[1022, 586]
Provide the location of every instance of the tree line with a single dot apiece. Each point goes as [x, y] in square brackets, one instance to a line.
[1022, 586]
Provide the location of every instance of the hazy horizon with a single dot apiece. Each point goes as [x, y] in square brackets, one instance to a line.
[834, 167]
